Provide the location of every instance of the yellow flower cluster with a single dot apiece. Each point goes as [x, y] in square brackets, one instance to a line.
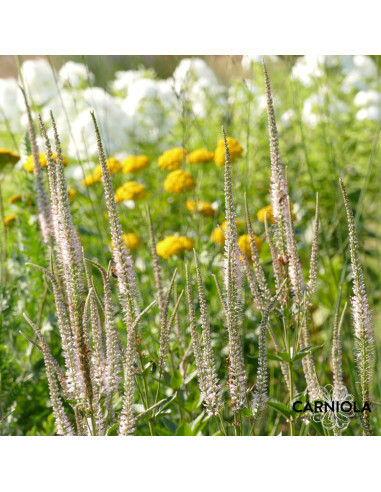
[200, 155]
[14, 199]
[244, 244]
[235, 150]
[172, 245]
[113, 166]
[9, 219]
[268, 211]
[131, 240]
[131, 190]
[218, 235]
[29, 166]
[179, 181]
[134, 163]
[172, 159]
[203, 208]
[8, 157]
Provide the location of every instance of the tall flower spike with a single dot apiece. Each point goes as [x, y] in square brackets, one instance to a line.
[213, 400]
[98, 356]
[67, 341]
[113, 354]
[258, 270]
[195, 337]
[311, 285]
[284, 230]
[156, 265]
[232, 279]
[339, 390]
[43, 209]
[127, 291]
[52, 184]
[305, 339]
[166, 325]
[64, 427]
[71, 251]
[362, 316]
[257, 295]
[278, 187]
[261, 387]
[337, 370]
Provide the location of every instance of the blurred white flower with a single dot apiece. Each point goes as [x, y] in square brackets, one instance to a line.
[309, 115]
[307, 68]
[198, 83]
[11, 105]
[124, 80]
[114, 124]
[248, 60]
[365, 98]
[369, 113]
[287, 117]
[39, 80]
[361, 71]
[74, 75]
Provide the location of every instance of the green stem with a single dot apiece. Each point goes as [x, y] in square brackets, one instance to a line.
[292, 425]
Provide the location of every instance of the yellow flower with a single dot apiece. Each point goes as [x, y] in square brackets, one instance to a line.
[200, 155]
[8, 157]
[172, 159]
[172, 245]
[134, 163]
[179, 181]
[244, 244]
[113, 166]
[29, 166]
[131, 240]
[14, 199]
[8, 219]
[71, 193]
[89, 180]
[269, 214]
[235, 150]
[130, 191]
[218, 235]
[204, 208]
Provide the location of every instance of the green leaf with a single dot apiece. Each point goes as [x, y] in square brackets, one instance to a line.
[302, 353]
[112, 431]
[184, 430]
[281, 408]
[284, 356]
[176, 379]
[274, 357]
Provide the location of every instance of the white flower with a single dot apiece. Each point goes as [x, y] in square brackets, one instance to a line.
[190, 70]
[370, 113]
[362, 70]
[39, 80]
[124, 80]
[248, 60]
[115, 124]
[309, 116]
[366, 98]
[11, 105]
[287, 117]
[308, 68]
[75, 74]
